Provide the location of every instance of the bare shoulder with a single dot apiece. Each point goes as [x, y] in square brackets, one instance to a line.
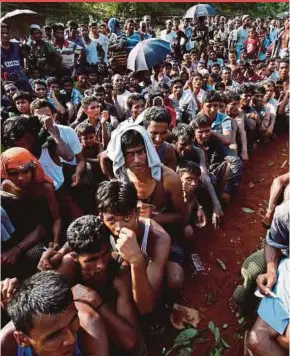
[171, 178]
[159, 235]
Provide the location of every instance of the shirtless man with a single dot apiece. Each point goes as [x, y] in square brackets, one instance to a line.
[156, 122]
[160, 200]
[137, 239]
[104, 285]
[46, 320]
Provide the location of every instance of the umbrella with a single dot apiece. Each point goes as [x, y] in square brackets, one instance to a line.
[147, 54]
[19, 21]
[199, 11]
[283, 16]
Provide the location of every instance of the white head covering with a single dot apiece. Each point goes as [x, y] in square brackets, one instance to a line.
[35, 26]
[115, 154]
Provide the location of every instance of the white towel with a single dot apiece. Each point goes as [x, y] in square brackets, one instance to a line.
[114, 151]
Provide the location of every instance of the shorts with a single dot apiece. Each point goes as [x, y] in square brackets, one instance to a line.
[177, 254]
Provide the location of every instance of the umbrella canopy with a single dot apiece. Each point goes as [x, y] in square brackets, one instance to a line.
[199, 11]
[20, 20]
[147, 54]
[283, 16]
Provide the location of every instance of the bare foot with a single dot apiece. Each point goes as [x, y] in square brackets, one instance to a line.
[235, 308]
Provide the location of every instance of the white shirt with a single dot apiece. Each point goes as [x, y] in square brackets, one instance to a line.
[104, 42]
[122, 101]
[168, 37]
[70, 137]
[185, 104]
[91, 52]
[241, 35]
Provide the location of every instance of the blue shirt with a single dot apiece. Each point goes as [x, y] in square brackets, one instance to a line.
[133, 40]
[221, 123]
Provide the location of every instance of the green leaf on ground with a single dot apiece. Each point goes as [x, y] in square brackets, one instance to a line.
[185, 352]
[248, 210]
[225, 344]
[241, 320]
[215, 330]
[185, 337]
[221, 264]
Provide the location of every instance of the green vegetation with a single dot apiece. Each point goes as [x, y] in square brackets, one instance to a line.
[81, 12]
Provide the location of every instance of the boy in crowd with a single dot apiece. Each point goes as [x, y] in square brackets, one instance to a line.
[190, 176]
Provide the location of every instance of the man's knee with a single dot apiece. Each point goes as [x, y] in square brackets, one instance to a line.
[284, 339]
[175, 276]
[188, 232]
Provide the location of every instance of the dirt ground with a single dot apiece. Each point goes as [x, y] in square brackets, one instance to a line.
[240, 235]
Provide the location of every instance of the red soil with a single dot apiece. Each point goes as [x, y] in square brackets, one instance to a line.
[240, 235]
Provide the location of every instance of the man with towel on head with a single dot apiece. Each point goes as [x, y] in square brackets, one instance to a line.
[159, 189]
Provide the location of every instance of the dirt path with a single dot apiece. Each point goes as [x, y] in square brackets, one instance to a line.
[240, 236]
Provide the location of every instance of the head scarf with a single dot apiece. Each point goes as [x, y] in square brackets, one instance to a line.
[113, 22]
[16, 157]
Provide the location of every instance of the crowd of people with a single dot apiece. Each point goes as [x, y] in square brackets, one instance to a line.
[107, 176]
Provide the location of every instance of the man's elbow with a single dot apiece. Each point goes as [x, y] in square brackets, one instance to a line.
[130, 342]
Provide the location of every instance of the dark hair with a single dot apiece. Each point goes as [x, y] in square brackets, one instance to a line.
[66, 80]
[219, 86]
[232, 96]
[39, 104]
[131, 139]
[22, 95]
[52, 80]
[92, 24]
[196, 74]
[45, 293]
[156, 114]
[233, 51]
[85, 129]
[134, 97]
[87, 100]
[71, 23]
[211, 97]
[39, 82]
[189, 167]
[163, 85]
[87, 234]
[116, 197]
[58, 26]
[16, 127]
[200, 121]
[260, 90]
[216, 65]
[175, 81]
[182, 130]
[99, 89]
[8, 82]
[247, 87]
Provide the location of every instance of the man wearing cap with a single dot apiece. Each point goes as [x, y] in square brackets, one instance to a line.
[42, 54]
[168, 34]
[242, 34]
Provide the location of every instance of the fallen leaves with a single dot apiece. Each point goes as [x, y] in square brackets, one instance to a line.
[248, 210]
[221, 264]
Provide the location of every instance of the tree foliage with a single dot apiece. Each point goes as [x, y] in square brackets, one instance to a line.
[80, 11]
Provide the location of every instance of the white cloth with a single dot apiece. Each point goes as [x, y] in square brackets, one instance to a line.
[70, 137]
[115, 154]
[168, 37]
